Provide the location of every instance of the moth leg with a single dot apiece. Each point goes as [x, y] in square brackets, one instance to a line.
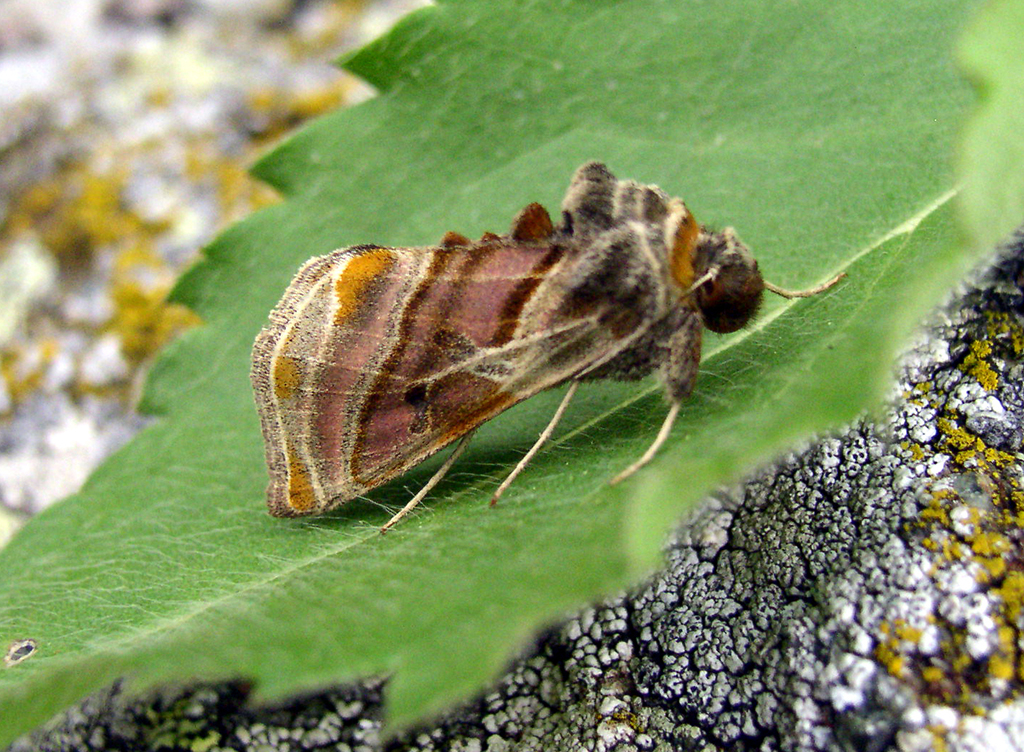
[434, 480]
[666, 429]
[544, 436]
[682, 359]
[678, 372]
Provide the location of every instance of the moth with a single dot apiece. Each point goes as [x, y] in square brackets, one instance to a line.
[375, 358]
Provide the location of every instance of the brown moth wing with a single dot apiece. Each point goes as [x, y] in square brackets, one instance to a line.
[291, 365]
[378, 357]
[461, 355]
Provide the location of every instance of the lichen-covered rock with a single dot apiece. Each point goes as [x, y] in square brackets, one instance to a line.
[126, 132]
[863, 593]
[216, 717]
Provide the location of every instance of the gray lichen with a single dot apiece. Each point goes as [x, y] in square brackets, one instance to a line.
[216, 717]
[863, 593]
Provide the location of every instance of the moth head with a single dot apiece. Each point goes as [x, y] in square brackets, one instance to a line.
[728, 286]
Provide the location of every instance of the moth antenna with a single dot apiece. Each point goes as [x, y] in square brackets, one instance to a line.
[666, 429]
[434, 480]
[790, 294]
[544, 436]
[708, 276]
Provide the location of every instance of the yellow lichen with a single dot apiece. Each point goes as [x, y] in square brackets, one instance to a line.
[24, 368]
[905, 632]
[953, 550]
[961, 661]
[998, 457]
[75, 214]
[145, 321]
[935, 512]
[993, 567]
[283, 109]
[629, 719]
[886, 654]
[1000, 668]
[82, 213]
[976, 366]
[970, 451]
[1000, 324]
[955, 437]
[989, 543]
[1011, 592]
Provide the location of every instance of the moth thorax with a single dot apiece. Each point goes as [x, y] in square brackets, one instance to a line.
[732, 293]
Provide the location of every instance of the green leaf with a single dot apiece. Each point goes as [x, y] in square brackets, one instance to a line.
[992, 152]
[821, 130]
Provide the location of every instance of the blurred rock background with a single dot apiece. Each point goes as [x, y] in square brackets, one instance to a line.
[126, 129]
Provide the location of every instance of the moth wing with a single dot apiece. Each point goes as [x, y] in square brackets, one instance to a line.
[483, 336]
[309, 369]
[377, 358]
